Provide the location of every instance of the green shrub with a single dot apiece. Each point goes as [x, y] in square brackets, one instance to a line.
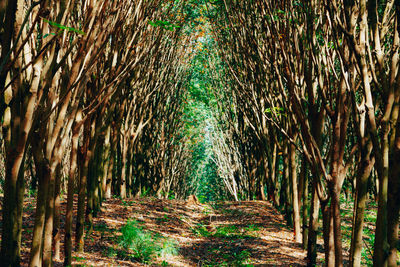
[226, 231]
[201, 230]
[169, 247]
[143, 245]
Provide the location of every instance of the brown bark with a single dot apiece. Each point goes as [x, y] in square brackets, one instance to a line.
[363, 174]
[394, 198]
[122, 178]
[43, 173]
[49, 221]
[57, 214]
[313, 226]
[294, 191]
[83, 163]
[70, 196]
[304, 197]
[328, 229]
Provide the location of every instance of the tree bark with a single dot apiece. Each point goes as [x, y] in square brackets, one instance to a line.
[294, 189]
[328, 228]
[313, 226]
[57, 214]
[359, 203]
[304, 178]
[83, 160]
[394, 201]
[70, 196]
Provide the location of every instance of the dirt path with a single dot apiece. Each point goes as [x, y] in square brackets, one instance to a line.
[223, 234]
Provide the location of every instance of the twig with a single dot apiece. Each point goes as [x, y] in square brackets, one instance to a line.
[369, 250]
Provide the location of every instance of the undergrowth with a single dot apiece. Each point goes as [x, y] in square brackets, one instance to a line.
[143, 245]
[226, 231]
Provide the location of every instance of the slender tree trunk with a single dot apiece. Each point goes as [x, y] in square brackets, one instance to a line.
[90, 194]
[106, 158]
[304, 178]
[380, 244]
[313, 226]
[122, 179]
[394, 201]
[295, 199]
[329, 245]
[287, 188]
[49, 220]
[14, 164]
[275, 176]
[359, 204]
[83, 172]
[337, 231]
[57, 214]
[20, 203]
[129, 175]
[70, 196]
[43, 173]
[110, 175]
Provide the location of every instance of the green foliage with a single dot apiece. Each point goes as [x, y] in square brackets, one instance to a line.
[211, 187]
[238, 259]
[127, 203]
[165, 218]
[168, 247]
[252, 228]
[164, 24]
[226, 231]
[276, 110]
[143, 245]
[62, 27]
[201, 230]
[145, 192]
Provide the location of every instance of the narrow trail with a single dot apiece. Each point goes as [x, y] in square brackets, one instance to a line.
[224, 234]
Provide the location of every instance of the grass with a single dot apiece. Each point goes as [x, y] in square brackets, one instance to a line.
[127, 203]
[144, 246]
[201, 230]
[239, 259]
[165, 218]
[229, 231]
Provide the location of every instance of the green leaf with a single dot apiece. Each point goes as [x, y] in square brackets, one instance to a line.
[47, 34]
[277, 110]
[163, 24]
[63, 27]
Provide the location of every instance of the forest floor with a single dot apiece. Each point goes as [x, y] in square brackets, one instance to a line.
[247, 233]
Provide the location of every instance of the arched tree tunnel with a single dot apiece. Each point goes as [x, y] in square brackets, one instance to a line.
[292, 103]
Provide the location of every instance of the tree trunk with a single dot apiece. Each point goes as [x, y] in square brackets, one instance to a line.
[106, 159]
[43, 173]
[14, 164]
[337, 231]
[304, 196]
[70, 196]
[394, 201]
[57, 214]
[329, 245]
[122, 178]
[313, 226]
[380, 244]
[295, 199]
[359, 204]
[83, 172]
[49, 220]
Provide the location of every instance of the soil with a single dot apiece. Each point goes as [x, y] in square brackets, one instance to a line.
[247, 233]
